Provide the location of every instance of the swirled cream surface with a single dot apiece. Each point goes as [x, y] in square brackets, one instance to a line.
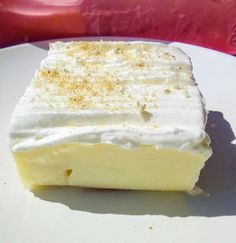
[123, 93]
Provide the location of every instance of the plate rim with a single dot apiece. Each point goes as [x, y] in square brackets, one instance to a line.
[116, 38]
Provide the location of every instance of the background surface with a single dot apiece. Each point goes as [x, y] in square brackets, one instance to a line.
[208, 23]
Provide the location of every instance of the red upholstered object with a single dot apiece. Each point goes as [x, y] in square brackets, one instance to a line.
[209, 23]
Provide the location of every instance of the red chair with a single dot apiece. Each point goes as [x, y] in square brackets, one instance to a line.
[208, 23]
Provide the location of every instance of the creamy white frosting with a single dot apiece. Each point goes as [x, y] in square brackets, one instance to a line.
[124, 93]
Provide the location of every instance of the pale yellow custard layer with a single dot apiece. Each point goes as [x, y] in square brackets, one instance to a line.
[110, 166]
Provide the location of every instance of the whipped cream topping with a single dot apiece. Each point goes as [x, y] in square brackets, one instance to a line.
[124, 93]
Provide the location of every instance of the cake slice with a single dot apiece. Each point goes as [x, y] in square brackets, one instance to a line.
[124, 115]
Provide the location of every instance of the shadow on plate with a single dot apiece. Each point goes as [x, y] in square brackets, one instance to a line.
[218, 178]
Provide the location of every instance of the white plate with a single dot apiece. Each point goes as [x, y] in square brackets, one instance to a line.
[58, 215]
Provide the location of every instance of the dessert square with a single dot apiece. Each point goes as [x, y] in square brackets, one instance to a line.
[122, 115]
